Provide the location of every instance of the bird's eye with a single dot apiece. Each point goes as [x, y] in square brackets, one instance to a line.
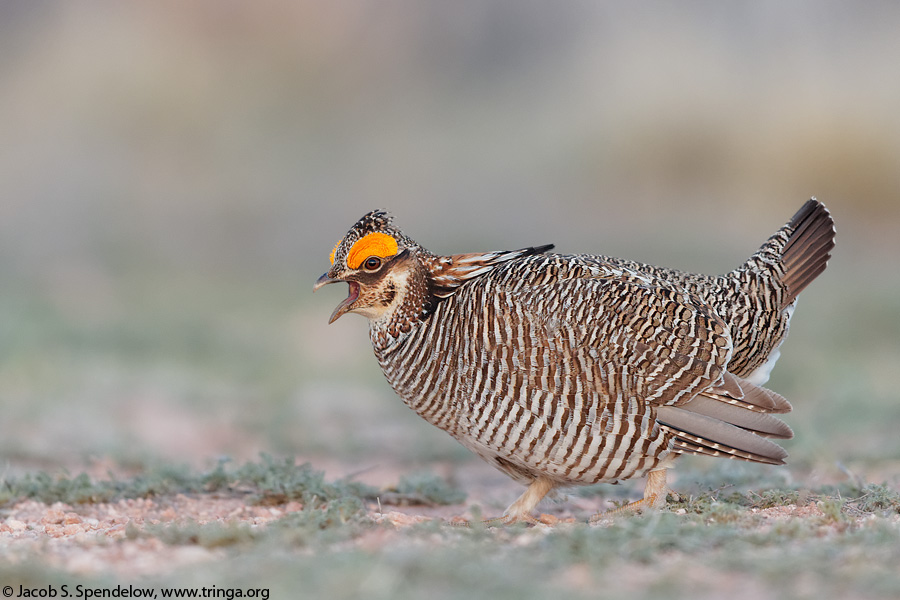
[373, 263]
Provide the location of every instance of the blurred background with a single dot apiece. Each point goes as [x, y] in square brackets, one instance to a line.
[174, 175]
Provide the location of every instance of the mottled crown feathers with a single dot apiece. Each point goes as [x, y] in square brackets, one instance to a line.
[377, 222]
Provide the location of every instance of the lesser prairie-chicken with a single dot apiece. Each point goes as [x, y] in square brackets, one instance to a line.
[565, 370]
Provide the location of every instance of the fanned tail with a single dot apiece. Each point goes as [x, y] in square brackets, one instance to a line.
[806, 253]
[798, 252]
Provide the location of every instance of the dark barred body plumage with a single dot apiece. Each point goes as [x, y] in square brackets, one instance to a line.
[549, 365]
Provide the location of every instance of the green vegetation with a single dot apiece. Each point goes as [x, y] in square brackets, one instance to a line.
[269, 481]
[423, 489]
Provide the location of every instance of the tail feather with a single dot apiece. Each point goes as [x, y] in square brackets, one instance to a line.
[744, 394]
[808, 248]
[687, 444]
[733, 419]
[695, 434]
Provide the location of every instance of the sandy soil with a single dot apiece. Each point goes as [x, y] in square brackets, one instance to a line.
[98, 538]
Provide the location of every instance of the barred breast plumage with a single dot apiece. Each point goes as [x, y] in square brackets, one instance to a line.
[567, 370]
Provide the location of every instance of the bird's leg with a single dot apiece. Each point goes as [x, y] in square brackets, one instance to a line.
[656, 490]
[520, 510]
[655, 493]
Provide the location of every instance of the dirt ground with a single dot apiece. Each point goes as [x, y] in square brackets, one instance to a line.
[105, 538]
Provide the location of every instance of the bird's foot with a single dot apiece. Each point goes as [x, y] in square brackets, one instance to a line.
[655, 494]
[652, 502]
[510, 519]
[520, 510]
[497, 521]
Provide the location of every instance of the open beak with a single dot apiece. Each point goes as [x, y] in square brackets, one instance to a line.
[324, 280]
[343, 306]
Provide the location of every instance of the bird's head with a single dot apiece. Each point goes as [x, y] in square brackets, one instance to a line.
[394, 281]
[380, 265]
